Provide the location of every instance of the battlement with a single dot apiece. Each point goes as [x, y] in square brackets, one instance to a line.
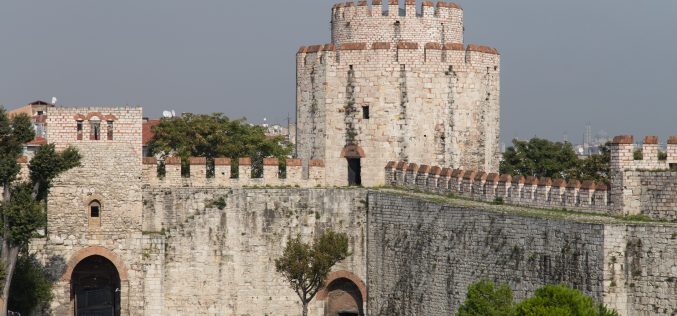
[359, 22]
[584, 196]
[472, 56]
[623, 149]
[170, 175]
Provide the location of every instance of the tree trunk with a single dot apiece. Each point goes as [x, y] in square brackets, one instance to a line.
[305, 308]
[9, 262]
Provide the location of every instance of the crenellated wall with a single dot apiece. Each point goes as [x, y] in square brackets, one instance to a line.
[293, 174]
[646, 186]
[423, 255]
[585, 196]
[368, 90]
[358, 22]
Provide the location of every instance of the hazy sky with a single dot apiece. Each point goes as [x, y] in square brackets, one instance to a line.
[564, 63]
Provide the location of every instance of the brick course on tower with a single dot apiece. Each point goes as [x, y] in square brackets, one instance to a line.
[397, 85]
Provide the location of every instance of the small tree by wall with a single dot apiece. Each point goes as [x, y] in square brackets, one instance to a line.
[306, 266]
[22, 209]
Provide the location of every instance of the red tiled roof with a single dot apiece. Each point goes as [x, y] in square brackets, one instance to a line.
[147, 132]
[37, 141]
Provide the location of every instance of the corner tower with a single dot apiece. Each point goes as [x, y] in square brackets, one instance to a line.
[397, 85]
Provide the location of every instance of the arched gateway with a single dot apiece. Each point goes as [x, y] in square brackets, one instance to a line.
[96, 287]
[344, 295]
[97, 280]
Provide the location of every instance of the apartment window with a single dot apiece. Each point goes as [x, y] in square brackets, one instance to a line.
[110, 130]
[39, 130]
[79, 130]
[94, 129]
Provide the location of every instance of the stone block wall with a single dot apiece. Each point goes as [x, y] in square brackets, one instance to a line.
[423, 255]
[352, 23]
[218, 259]
[126, 123]
[643, 186]
[585, 196]
[294, 174]
[370, 89]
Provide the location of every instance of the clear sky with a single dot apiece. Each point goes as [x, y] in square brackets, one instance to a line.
[564, 63]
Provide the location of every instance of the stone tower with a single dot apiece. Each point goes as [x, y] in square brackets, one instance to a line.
[397, 84]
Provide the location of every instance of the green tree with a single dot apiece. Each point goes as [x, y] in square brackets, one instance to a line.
[305, 266]
[486, 299]
[214, 136]
[31, 287]
[561, 300]
[22, 207]
[594, 167]
[540, 158]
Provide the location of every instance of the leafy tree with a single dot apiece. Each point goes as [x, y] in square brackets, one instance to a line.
[561, 300]
[486, 299]
[215, 136]
[543, 158]
[22, 207]
[540, 158]
[594, 167]
[306, 266]
[31, 286]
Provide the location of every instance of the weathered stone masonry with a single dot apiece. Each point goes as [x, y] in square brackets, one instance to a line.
[429, 98]
[422, 256]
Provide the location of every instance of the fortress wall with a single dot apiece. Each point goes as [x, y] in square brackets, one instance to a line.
[109, 174]
[643, 186]
[62, 122]
[311, 74]
[640, 269]
[586, 196]
[454, 89]
[294, 175]
[228, 254]
[423, 256]
[441, 22]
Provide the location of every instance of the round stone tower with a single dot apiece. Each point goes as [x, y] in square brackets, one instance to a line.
[397, 84]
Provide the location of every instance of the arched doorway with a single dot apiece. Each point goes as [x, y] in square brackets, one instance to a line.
[95, 283]
[353, 155]
[343, 298]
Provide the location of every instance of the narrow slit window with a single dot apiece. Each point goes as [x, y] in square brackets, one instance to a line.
[109, 131]
[94, 130]
[365, 112]
[79, 130]
[95, 210]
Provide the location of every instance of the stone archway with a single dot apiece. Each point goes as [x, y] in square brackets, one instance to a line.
[344, 295]
[98, 281]
[96, 287]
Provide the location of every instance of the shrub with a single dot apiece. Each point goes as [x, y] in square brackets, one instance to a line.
[484, 298]
[561, 300]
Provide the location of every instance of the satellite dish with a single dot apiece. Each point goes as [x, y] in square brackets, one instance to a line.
[581, 150]
[166, 114]
[54, 100]
[173, 113]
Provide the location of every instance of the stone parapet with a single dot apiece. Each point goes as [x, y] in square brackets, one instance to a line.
[361, 22]
[223, 176]
[586, 196]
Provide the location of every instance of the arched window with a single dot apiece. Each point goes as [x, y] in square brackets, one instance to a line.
[94, 213]
[94, 128]
[94, 209]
